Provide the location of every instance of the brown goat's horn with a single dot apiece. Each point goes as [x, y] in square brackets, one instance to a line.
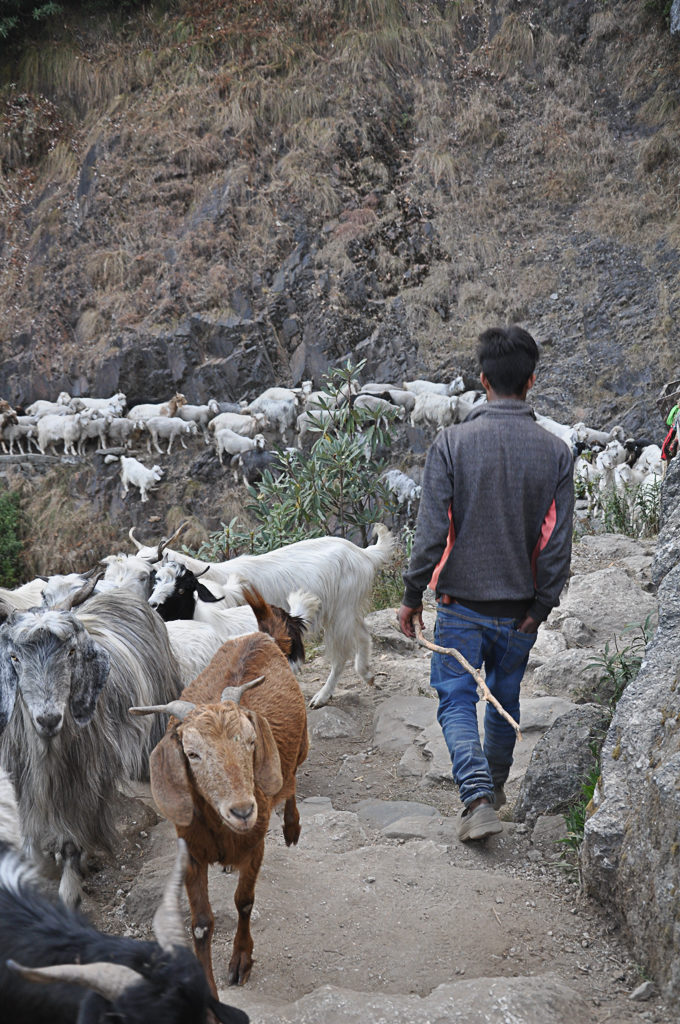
[85, 591]
[167, 921]
[179, 708]
[236, 692]
[164, 543]
[109, 980]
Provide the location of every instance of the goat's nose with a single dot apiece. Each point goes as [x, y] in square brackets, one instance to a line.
[50, 723]
[242, 811]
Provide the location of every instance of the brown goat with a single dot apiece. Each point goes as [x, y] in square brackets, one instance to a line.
[221, 767]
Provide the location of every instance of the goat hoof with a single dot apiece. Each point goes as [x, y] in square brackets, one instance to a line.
[239, 969]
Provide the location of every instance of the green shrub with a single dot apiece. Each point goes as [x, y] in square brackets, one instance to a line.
[11, 544]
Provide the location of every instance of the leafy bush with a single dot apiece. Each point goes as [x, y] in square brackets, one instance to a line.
[634, 511]
[334, 489]
[17, 16]
[11, 544]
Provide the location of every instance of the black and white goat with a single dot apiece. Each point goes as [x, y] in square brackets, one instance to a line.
[66, 681]
[179, 594]
[339, 573]
[86, 977]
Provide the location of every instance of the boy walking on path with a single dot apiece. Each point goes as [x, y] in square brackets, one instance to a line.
[493, 540]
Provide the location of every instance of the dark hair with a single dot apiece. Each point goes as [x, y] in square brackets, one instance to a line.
[507, 357]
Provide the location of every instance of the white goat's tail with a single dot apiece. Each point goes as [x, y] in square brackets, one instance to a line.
[304, 605]
[383, 549]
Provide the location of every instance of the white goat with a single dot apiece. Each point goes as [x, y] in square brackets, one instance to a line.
[405, 490]
[434, 410]
[379, 406]
[113, 406]
[51, 429]
[199, 414]
[338, 572]
[146, 411]
[280, 413]
[168, 428]
[136, 473]
[240, 423]
[420, 387]
[227, 440]
[565, 433]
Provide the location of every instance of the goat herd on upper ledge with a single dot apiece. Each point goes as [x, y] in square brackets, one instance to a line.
[156, 665]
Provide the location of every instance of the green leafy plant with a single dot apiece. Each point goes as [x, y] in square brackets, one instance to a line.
[619, 665]
[576, 816]
[11, 544]
[633, 511]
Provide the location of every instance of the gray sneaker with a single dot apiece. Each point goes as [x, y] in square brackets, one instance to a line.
[499, 798]
[480, 823]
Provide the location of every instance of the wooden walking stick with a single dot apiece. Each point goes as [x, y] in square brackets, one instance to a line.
[484, 691]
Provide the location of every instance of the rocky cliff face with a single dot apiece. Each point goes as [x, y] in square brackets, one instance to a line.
[631, 853]
[219, 204]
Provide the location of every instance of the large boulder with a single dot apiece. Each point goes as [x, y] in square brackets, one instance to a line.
[561, 762]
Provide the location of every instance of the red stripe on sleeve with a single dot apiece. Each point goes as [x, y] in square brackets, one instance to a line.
[450, 541]
[547, 530]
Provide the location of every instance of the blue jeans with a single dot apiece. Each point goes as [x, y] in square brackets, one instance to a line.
[504, 651]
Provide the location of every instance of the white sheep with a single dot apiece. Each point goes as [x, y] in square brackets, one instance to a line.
[229, 441]
[168, 428]
[135, 473]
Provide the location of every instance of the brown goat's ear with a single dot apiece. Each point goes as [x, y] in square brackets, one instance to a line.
[267, 762]
[169, 783]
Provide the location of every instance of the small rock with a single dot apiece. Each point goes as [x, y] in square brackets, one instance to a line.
[644, 991]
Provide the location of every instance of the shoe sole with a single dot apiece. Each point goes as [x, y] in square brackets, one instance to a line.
[487, 824]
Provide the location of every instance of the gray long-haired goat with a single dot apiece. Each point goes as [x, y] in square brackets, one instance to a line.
[67, 741]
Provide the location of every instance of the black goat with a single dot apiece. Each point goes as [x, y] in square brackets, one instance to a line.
[90, 978]
[254, 463]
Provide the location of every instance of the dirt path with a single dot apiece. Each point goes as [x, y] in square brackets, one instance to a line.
[382, 899]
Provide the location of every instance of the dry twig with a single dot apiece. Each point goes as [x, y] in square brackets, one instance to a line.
[484, 691]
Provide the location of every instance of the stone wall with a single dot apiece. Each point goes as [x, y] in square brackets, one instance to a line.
[631, 852]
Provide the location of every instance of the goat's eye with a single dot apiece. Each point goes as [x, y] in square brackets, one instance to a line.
[193, 755]
[71, 652]
[13, 656]
[181, 590]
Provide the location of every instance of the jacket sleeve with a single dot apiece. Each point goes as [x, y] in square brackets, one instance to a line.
[435, 516]
[552, 555]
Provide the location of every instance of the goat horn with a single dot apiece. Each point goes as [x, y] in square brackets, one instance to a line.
[167, 921]
[131, 535]
[236, 692]
[179, 708]
[73, 600]
[109, 980]
[164, 543]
